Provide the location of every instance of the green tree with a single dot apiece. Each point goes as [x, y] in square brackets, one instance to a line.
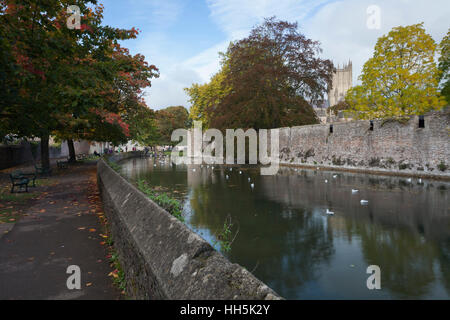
[444, 65]
[73, 83]
[340, 106]
[401, 78]
[204, 98]
[170, 119]
[275, 76]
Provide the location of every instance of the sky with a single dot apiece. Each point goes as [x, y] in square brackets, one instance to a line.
[183, 38]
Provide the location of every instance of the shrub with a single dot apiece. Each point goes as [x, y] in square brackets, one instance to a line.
[442, 166]
[169, 204]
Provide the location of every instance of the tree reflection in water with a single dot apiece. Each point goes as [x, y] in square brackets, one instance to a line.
[289, 243]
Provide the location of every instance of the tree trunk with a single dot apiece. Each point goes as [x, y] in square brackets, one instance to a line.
[45, 158]
[72, 156]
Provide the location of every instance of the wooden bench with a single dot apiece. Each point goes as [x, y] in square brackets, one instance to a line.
[21, 180]
[30, 176]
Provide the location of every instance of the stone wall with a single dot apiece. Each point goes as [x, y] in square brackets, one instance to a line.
[14, 155]
[161, 257]
[391, 146]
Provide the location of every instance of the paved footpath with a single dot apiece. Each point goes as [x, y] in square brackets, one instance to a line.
[59, 229]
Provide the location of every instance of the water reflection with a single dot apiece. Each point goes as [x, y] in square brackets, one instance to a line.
[286, 239]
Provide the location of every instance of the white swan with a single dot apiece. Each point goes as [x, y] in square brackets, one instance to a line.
[326, 181]
[252, 185]
[335, 176]
[354, 190]
[363, 202]
[330, 212]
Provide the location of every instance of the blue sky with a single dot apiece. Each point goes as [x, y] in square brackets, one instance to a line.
[183, 37]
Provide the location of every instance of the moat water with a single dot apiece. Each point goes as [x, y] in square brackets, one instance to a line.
[285, 237]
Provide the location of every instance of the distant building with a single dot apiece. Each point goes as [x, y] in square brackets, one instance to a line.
[342, 81]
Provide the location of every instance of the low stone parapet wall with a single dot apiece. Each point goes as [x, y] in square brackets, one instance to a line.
[161, 257]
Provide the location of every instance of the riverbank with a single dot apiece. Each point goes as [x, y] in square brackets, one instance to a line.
[442, 176]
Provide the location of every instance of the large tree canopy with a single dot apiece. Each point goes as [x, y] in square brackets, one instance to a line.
[269, 79]
[73, 83]
[206, 96]
[401, 78]
[170, 119]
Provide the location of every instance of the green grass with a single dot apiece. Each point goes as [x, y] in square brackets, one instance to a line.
[17, 197]
[113, 165]
[171, 205]
[118, 273]
[90, 157]
[12, 203]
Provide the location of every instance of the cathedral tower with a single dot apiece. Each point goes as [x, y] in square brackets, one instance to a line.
[342, 81]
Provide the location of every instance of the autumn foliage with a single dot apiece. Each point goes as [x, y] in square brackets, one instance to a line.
[401, 78]
[72, 83]
[269, 79]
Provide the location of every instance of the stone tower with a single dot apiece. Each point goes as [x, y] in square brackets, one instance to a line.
[342, 81]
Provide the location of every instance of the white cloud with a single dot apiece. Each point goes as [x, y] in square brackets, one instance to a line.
[157, 13]
[177, 75]
[339, 25]
[237, 17]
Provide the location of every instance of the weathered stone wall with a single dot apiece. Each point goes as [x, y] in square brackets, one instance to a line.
[391, 146]
[161, 257]
[14, 155]
[11, 156]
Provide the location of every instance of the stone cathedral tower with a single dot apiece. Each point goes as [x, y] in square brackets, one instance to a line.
[342, 81]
